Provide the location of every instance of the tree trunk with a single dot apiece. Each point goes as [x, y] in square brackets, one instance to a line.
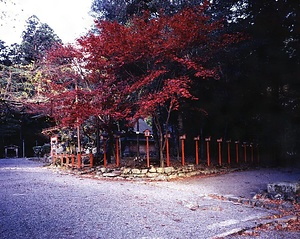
[160, 140]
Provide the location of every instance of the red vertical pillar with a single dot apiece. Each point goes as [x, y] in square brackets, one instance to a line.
[147, 135]
[147, 150]
[245, 152]
[197, 149]
[228, 152]
[78, 160]
[167, 151]
[182, 138]
[220, 150]
[104, 153]
[182, 152]
[117, 152]
[73, 160]
[208, 150]
[237, 151]
[67, 160]
[91, 160]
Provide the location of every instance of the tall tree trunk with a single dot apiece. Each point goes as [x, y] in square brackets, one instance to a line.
[161, 133]
[160, 139]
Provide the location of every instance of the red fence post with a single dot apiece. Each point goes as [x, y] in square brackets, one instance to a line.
[73, 160]
[147, 150]
[104, 154]
[245, 151]
[117, 152]
[237, 151]
[252, 153]
[167, 136]
[182, 138]
[197, 148]
[207, 150]
[228, 151]
[220, 150]
[147, 135]
[91, 160]
[67, 160]
[78, 160]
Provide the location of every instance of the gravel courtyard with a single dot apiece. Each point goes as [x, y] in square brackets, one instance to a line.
[37, 202]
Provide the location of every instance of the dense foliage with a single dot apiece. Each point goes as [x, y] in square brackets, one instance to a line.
[19, 82]
[250, 91]
[37, 39]
[144, 68]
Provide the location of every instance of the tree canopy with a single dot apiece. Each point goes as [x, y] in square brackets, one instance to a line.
[191, 70]
[144, 68]
[20, 80]
[256, 97]
[37, 39]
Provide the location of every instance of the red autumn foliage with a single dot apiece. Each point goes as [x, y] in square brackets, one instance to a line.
[134, 70]
[148, 55]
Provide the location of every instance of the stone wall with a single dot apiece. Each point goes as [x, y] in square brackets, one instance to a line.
[154, 173]
[284, 191]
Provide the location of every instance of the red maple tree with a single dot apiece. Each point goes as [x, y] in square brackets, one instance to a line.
[136, 70]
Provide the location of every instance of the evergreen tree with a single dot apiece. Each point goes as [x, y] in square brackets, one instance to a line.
[122, 10]
[19, 81]
[37, 39]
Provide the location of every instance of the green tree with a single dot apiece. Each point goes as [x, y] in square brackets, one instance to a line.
[20, 81]
[123, 10]
[37, 39]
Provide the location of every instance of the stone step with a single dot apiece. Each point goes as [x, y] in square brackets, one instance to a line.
[284, 187]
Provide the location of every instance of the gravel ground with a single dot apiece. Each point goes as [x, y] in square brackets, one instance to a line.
[37, 202]
[242, 183]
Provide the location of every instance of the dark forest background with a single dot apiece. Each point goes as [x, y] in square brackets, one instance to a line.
[256, 98]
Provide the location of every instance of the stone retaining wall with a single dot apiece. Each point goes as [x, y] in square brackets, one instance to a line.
[284, 191]
[154, 173]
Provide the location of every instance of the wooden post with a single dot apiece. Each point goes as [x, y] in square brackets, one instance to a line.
[91, 160]
[62, 159]
[67, 160]
[237, 151]
[208, 150]
[117, 152]
[78, 160]
[182, 138]
[228, 151]
[73, 160]
[220, 150]
[251, 150]
[147, 135]
[147, 149]
[245, 151]
[167, 150]
[197, 149]
[104, 153]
